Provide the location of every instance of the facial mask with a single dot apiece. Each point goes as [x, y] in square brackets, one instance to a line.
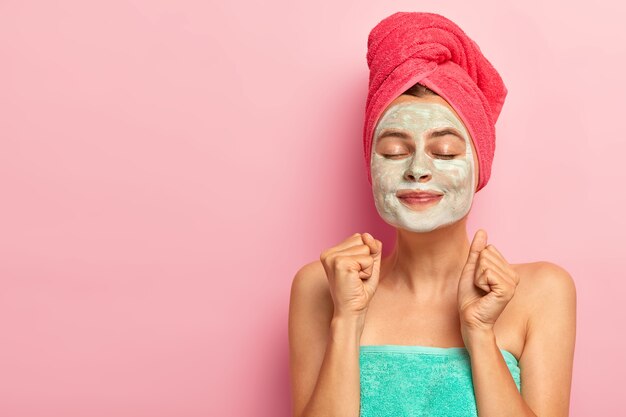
[411, 165]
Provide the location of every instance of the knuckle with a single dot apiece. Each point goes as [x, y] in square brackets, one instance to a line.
[356, 237]
[342, 262]
[331, 258]
[327, 256]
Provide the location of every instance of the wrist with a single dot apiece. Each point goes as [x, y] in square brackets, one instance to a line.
[477, 338]
[347, 327]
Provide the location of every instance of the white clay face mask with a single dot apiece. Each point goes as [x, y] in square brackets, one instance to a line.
[421, 147]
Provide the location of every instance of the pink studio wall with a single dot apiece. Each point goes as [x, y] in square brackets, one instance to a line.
[166, 168]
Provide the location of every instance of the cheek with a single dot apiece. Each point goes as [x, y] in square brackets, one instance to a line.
[456, 171]
[386, 175]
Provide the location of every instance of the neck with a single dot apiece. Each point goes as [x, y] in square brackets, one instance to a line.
[427, 264]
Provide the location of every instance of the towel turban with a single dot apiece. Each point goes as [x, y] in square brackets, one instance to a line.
[426, 48]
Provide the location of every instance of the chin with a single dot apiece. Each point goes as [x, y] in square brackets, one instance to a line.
[422, 229]
[412, 227]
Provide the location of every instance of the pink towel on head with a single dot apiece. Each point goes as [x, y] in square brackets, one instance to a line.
[410, 47]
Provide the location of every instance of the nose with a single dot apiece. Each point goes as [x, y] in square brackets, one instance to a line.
[418, 170]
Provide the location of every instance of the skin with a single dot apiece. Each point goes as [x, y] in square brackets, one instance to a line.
[431, 287]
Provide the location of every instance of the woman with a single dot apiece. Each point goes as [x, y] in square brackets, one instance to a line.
[441, 326]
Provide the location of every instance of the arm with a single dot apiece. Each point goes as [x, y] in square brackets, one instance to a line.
[324, 358]
[547, 359]
[337, 392]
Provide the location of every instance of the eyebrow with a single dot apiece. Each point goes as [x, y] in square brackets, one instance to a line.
[433, 134]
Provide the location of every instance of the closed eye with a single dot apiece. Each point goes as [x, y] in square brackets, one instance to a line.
[394, 156]
[444, 156]
[398, 156]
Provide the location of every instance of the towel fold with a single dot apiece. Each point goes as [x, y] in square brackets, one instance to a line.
[426, 48]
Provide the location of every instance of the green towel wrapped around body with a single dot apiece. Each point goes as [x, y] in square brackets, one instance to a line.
[420, 381]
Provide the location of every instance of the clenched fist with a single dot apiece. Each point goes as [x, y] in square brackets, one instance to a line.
[353, 268]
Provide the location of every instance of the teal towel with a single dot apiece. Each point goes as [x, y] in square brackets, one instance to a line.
[420, 381]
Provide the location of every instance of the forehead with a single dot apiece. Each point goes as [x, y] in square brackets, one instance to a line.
[419, 115]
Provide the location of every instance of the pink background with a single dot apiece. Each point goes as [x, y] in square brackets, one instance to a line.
[166, 168]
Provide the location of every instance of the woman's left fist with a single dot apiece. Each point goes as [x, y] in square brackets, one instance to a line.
[486, 286]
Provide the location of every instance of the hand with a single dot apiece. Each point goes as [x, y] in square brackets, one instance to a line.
[352, 268]
[486, 286]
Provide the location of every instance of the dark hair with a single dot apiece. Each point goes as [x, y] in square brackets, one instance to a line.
[418, 90]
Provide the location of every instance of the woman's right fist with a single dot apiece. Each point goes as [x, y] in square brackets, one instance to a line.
[353, 269]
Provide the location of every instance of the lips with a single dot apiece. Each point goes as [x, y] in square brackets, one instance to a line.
[419, 200]
[418, 194]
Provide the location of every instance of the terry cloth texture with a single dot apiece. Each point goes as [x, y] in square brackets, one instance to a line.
[426, 48]
[420, 381]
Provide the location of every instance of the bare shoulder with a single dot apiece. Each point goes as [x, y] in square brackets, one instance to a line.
[540, 281]
[547, 293]
[310, 286]
[310, 294]
[311, 273]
